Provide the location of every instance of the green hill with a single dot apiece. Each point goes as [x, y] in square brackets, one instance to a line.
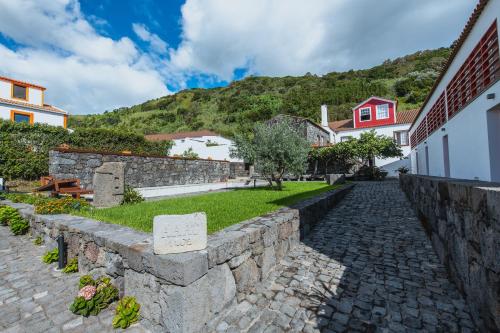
[238, 106]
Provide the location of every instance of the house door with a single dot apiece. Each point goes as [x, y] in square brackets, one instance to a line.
[446, 156]
[427, 160]
[494, 142]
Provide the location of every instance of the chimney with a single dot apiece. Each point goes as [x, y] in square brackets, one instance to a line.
[324, 115]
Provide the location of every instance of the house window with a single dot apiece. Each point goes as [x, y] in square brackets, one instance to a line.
[19, 92]
[21, 117]
[365, 114]
[383, 111]
[345, 138]
[401, 138]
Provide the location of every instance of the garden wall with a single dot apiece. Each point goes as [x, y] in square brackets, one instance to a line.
[184, 292]
[140, 170]
[462, 219]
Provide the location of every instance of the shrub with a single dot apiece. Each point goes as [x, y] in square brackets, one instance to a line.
[71, 267]
[403, 170]
[51, 256]
[7, 214]
[38, 241]
[94, 296]
[131, 196]
[19, 226]
[60, 206]
[126, 313]
[27, 198]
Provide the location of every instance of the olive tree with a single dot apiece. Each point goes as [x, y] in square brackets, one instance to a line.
[370, 146]
[275, 149]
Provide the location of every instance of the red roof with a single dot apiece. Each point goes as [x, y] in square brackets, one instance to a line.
[402, 117]
[45, 107]
[179, 135]
[3, 78]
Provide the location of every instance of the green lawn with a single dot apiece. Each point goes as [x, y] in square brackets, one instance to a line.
[223, 208]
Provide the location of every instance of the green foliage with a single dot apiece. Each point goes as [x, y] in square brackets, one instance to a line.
[367, 172]
[105, 294]
[8, 214]
[276, 148]
[86, 280]
[60, 206]
[71, 267]
[19, 226]
[236, 108]
[38, 241]
[24, 148]
[370, 146]
[190, 154]
[126, 313]
[51, 256]
[131, 196]
[403, 170]
[32, 199]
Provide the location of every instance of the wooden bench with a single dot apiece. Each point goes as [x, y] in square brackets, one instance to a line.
[62, 186]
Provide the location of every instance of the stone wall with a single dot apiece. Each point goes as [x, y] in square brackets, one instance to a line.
[462, 219]
[237, 169]
[184, 292]
[140, 170]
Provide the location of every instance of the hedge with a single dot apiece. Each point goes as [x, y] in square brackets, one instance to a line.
[24, 148]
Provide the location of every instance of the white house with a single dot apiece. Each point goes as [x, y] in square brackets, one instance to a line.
[207, 144]
[24, 102]
[457, 132]
[377, 114]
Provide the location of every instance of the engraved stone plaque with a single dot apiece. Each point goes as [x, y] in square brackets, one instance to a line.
[179, 233]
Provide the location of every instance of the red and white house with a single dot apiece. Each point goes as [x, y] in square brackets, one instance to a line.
[377, 114]
[457, 132]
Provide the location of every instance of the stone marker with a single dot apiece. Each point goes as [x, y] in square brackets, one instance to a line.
[109, 184]
[179, 233]
[335, 178]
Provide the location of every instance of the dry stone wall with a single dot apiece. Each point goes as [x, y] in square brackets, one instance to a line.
[184, 292]
[140, 170]
[462, 219]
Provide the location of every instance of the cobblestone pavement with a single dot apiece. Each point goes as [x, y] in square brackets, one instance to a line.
[34, 297]
[367, 267]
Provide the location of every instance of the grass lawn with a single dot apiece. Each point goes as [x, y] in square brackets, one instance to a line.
[223, 208]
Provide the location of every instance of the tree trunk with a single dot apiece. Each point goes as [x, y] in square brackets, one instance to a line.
[279, 183]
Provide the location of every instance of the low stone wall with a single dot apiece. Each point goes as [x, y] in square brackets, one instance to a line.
[462, 219]
[140, 170]
[184, 292]
[237, 169]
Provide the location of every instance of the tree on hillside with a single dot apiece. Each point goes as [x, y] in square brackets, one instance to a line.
[370, 146]
[275, 149]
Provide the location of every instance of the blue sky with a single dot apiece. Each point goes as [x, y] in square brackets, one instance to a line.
[95, 56]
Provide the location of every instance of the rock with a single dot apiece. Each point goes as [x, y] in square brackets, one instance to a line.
[222, 288]
[267, 261]
[333, 179]
[246, 275]
[109, 184]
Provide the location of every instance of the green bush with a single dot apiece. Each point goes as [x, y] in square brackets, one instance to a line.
[51, 256]
[7, 214]
[71, 267]
[126, 313]
[19, 226]
[60, 206]
[131, 196]
[31, 199]
[94, 296]
[86, 280]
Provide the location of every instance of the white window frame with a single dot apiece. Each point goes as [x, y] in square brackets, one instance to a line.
[369, 113]
[377, 113]
[396, 133]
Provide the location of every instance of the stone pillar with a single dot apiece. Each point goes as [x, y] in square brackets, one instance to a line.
[109, 184]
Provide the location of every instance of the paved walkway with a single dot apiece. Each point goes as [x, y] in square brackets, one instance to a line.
[34, 297]
[368, 267]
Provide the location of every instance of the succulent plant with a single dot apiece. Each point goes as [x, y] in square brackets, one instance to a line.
[7, 214]
[126, 313]
[51, 256]
[86, 280]
[72, 266]
[94, 296]
[19, 226]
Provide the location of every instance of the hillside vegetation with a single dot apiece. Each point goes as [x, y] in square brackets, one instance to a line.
[237, 107]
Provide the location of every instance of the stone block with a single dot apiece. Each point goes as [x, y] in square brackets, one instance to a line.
[246, 275]
[179, 233]
[185, 309]
[225, 246]
[267, 261]
[222, 288]
[146, 289]
[333, 179]
[181, 268]
[109, 184]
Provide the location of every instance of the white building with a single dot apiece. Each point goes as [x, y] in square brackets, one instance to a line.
[377, 114]
[24, 102]
[207, 144]
[457, 132]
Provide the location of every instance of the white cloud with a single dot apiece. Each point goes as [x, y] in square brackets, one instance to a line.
[292, 37]
[157, 44]
[84, 71]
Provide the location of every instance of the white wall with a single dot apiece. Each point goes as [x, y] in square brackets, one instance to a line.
[468, 130]
[5, 89]
[220, 152]
[388, 164]
[50, 118]
[35, 96]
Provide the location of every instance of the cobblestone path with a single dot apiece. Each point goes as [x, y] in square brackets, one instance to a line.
[367, 267]
[34, 297]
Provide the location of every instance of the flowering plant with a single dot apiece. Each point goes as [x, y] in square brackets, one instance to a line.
[94, 296]
[87, 292]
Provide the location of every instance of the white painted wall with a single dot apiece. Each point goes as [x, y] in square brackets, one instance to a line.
[389, 164]
[35, 96]
[5, 89]
[467, 131]
[50, 118]
[198, 144]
